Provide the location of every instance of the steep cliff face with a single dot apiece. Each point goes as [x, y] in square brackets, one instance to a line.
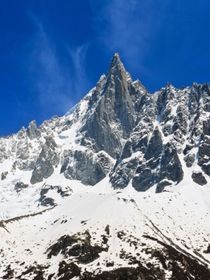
[118, 188]
[115, 114]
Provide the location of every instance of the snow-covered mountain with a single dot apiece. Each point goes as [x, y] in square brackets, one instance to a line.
[118, 188]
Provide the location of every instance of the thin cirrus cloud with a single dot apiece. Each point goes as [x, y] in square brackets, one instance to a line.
[57, 86]
[78, 57]
[129, 27]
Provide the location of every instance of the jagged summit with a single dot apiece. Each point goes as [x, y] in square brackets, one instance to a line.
[117, 69]
[114, 116]
[116, 59]
[116, 63]
[116, 56]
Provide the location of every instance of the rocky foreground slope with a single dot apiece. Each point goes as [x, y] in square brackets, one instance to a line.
[118, 188]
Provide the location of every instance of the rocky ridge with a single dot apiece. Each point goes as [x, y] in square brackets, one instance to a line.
[122, 130]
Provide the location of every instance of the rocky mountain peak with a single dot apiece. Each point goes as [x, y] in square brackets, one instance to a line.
[117, 71]
[116, 66]
[32, 130]
[114, 116]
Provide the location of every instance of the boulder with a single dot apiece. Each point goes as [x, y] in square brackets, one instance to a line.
[198, 178]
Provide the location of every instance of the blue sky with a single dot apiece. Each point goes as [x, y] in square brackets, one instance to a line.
[53, 51]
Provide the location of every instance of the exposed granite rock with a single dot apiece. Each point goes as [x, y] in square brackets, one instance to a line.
[68, 271]
[45, 200]
[121, 176]
[206, 169]
[206, 127]
[23, 149]
[135, 148]
[4, 175]
[198, 178]
[86, 166]
[20, 186]
[189, 159]
[125, 273]
[34, 272]
[46, 161]
[154, 170]
[204, 153]
[78, 246]
[33, 131]
[180, 120]
[9, 273]
[114, 117]
[144, 178]
[161, 186]
[170, 166]
[155, 146]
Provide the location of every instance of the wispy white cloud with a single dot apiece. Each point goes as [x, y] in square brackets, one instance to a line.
[129, 27]
[78, 56]
[56, 84]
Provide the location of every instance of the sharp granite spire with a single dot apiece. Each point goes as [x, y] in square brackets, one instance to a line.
[117, 69]
[116, 62]
[114, 116]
